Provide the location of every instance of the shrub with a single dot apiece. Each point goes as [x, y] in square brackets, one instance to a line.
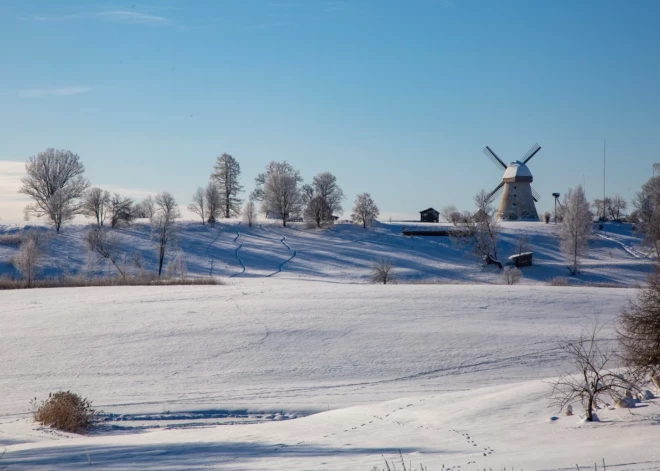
[84, 282]
[381, 271]
[558, 281]
[511, 275]
[11, 240]
[66, 411]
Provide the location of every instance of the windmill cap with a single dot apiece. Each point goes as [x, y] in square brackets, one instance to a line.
[517, 172]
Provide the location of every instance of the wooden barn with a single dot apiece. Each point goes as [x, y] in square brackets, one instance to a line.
[429, 215]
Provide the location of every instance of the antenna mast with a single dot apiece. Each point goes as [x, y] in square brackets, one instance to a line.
[604, 153]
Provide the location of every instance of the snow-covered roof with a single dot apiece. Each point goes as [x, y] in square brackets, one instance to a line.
[517, 170]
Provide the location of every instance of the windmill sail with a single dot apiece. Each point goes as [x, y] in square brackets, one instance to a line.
[495, 193]
[531, 153]
[493, 156]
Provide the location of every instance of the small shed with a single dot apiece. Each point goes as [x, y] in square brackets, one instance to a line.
[429, 215]
[522, 259]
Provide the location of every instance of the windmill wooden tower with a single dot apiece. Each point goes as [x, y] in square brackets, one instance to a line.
[518, 196]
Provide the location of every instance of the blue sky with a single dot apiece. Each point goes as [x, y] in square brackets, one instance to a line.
[397, 98]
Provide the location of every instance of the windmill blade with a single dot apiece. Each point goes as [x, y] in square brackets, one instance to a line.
[531, 153]
[493, 156]
[535, 195]
[495, 193]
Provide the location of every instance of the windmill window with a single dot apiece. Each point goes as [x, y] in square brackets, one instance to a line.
[514, 205]
[514, 195]
[515, 187]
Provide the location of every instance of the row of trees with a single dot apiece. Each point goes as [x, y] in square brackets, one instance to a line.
[281, 194]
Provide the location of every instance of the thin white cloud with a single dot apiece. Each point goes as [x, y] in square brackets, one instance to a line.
[119, 16]
[134, 17]
[45, 92]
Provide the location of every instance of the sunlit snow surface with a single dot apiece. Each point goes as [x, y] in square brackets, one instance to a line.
[312, 368]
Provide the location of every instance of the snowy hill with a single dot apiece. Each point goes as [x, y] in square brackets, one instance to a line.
[346, 252]
[451, 375]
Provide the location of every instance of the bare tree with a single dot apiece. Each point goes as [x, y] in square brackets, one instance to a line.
[639, 329]
[105, 245]
[199, 205]
[226, 173]
[249, 213]
[273, 167]
[593, 377]
[148, 207]
[647, 213]
[523, 244]
[121, 210]
[576, 228]
[617, 207]
[163, 224]
[213, 202]
[381, 271]
[601, 207]
[27, 260]
[365, 210]
[55, 182]
[318, 211]
[282, 196]
[481, 231]
[95, 204]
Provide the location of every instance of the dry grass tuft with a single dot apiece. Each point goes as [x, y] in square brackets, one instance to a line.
[66, 411]
[86, 282]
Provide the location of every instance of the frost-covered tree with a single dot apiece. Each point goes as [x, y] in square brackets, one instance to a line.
[365, 210]
[95, 204]
[450, 213]
[282, 196]
[27, 260]
[226, 173]
[213, 202]
[56, 183]
[575, 228]
[481, 231]
[163, 224]
[120, 210]
[199, 205]
[617, 207]
[258, 194]
[249, 213]
[148, 207]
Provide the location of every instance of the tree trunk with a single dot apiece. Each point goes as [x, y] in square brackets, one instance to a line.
[590, 409]
[364, 223]
[160, 260]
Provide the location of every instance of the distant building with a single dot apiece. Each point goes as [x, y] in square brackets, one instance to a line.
[429, 215]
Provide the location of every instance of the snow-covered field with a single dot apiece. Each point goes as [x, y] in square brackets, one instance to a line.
[297, 363]
[451, 375]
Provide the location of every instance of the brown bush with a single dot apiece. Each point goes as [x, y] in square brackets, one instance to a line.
[65, 411]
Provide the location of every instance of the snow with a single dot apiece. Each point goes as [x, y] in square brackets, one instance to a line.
[517, 169]
[297, 363]
[345, 252]
[413, 367]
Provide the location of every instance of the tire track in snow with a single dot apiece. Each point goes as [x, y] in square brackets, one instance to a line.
[283, 241]
[634, 253]
[240, 246]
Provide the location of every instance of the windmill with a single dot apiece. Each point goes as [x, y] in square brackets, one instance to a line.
[518, 196]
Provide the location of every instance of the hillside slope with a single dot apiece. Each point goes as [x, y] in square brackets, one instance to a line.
[345, 252]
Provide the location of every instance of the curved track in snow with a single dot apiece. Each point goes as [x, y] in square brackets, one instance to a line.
[283, 241]
[240, 246]
[634, 253]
